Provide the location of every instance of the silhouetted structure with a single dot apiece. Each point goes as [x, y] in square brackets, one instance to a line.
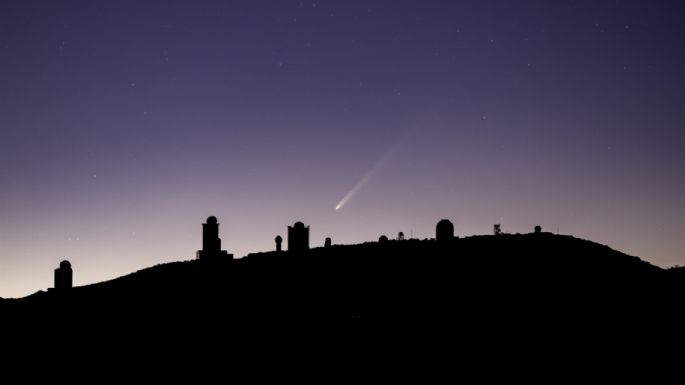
[538, 229]
[298, 237]
[63, 276]
[327, 243]
[211, 243]
[444, 231]
[498, 229]
[400, 236]
[279, 241]
[382, 239]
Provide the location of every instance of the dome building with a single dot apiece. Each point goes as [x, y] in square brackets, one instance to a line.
[444, 231]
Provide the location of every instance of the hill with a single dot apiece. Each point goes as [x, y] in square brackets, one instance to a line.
[351, 276]
[511, 289]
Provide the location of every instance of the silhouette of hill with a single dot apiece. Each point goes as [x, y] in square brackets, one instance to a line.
[540, 290]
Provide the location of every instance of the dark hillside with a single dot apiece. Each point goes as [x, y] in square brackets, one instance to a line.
[540, 290]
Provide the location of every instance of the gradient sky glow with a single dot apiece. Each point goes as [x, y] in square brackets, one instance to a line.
[124, 124]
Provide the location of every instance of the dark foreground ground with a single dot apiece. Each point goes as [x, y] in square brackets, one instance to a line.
[523, 298]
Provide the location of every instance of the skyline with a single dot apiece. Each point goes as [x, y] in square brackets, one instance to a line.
[125, 125]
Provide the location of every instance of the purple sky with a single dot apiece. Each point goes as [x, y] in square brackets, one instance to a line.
[126, 123]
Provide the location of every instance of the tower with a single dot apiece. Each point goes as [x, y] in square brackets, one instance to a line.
[63, 276]
[279, 241]
[444, 231]
[211, 243]
[298, 238]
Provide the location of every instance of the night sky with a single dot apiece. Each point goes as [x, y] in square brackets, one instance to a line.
[124, 124]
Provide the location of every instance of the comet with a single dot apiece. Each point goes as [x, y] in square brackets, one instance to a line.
[380, 164]
[373, 171]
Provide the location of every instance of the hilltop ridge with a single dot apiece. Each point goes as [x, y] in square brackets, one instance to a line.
[352, 274]
[549, 292]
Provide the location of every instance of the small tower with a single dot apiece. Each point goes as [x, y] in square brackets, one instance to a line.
[538, 229]
[400, 236]
[328, 242]
[211, 243]
[279, 241]
[498, 229]
[298, 238]
[444, 231]
[63, 276]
